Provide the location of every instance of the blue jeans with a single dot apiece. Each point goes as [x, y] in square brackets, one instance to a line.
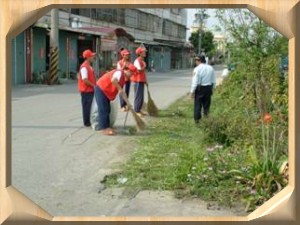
[86, 103]
[103, 104]
[138, 96]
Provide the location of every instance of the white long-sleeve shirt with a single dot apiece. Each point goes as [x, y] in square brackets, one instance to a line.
[203, 75]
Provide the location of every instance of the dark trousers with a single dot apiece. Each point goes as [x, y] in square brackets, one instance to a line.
[138, 96]
[103, 104]
[86, 103]
[202, 100]
[127, 89]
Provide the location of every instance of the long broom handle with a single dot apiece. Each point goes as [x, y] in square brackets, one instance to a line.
[148, 92]
[125, 99]
[130, 108]
[126, 118]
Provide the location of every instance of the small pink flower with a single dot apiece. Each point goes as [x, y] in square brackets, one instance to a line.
[210, 149]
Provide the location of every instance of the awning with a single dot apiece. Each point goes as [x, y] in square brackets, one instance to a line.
[153, 43]
[172, 43]
[83, 31]
[100, 31]
[103, 30]
[119, 32]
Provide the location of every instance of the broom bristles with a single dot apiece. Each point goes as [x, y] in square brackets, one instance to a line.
[139, 122]
[151, 107]
[144, 106]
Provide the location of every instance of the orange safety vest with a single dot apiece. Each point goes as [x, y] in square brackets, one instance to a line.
[122, 64]
[105, 84]
[82, 87]
[139, 76]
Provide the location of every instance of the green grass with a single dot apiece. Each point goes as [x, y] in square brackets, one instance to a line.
[174, 156]
[167, 154]
[220, 160]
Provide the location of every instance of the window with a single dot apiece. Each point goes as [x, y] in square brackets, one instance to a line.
[167, 27]
[181, 31]
[81, 12]
[173, 29]
[150, 23]
[142, 21]
[85, 12]
[121, 16]
[131, 18]
[156, 24]
[105, 15]
[75, 11]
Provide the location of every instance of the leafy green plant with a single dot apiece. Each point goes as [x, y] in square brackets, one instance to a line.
[63, 75]
[39, 78]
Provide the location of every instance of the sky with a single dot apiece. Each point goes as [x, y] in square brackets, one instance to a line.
[211, 21]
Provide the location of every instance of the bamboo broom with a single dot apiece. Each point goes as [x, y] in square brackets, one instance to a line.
[139, 122]
[151, 107]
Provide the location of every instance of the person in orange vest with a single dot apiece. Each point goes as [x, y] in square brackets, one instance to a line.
[139, 80]
[107, 88]
[125, 59]
[86, 85]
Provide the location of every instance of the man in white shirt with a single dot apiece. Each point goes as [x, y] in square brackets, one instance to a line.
[203, 82]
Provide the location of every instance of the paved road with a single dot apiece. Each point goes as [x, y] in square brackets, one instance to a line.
[59, 164]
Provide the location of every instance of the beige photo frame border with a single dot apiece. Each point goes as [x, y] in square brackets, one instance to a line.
[16, 15]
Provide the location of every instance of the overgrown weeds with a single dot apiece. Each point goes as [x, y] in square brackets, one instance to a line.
[232, 156]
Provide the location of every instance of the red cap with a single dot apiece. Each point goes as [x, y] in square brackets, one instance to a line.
[139, 50]
[125, 52]
[88, 53]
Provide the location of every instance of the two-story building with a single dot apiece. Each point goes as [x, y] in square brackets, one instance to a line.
[106, 31]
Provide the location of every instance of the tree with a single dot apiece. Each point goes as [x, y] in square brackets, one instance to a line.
[207, 42]
[256, 48]
[258, 96]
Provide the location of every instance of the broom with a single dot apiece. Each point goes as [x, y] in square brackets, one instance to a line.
[151, 107]
[139, 122]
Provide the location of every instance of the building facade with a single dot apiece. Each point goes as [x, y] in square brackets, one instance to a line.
[161, 31]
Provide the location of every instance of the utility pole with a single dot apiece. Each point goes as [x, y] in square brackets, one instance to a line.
[200, 16]
[54, 43]
[200, 30]
[199, 47]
